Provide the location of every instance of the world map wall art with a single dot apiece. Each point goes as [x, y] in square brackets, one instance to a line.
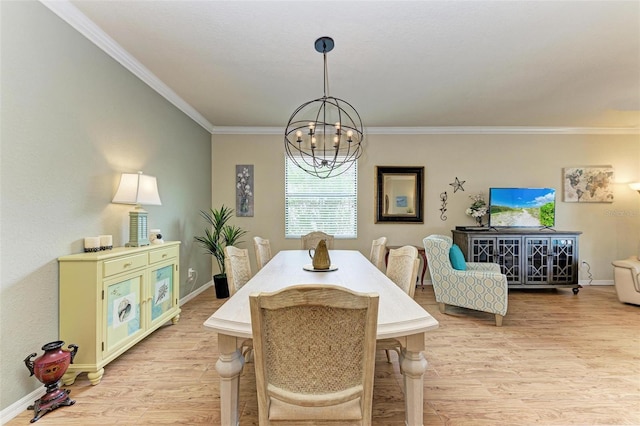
[588, 184]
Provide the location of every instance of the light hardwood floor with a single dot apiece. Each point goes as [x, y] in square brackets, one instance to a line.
[559, 359]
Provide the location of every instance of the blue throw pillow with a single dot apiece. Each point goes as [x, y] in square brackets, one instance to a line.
[457, 258]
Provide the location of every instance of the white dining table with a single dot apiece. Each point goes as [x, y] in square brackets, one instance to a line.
[399, 316]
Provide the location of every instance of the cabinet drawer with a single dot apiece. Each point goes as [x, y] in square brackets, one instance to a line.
[129, 263]
[163, 254]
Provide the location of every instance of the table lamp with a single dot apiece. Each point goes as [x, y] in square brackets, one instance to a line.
[635, 186]
[138, 189]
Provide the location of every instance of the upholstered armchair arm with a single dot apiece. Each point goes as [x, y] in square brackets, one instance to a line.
[480, 290]
[633, 265]
[488, 267]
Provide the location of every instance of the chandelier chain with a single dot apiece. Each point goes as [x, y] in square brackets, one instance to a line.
[326, 75]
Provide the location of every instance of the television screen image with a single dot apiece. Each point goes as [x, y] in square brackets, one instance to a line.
[522, 207]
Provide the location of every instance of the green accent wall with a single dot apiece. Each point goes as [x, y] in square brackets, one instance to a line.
[73, 119]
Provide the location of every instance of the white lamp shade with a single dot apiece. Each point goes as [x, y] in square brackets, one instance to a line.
[635, 186]
[136, 188]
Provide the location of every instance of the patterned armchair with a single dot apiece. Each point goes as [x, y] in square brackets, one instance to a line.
[481, 287]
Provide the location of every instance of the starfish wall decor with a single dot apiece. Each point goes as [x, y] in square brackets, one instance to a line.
[457, 184]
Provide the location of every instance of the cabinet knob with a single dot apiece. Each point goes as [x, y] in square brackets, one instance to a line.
[164, 254]
[126, 265]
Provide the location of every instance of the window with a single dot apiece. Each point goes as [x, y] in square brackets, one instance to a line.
[313, 204]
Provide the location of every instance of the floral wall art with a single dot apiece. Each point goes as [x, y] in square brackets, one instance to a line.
[244, 190]
[588, 184]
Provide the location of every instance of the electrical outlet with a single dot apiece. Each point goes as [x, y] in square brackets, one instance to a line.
[191, 272]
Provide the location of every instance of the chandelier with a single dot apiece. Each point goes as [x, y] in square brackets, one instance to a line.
[324, 136]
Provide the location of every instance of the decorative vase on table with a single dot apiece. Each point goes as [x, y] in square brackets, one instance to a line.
[49, 369]
[478, 208]
[320, 256]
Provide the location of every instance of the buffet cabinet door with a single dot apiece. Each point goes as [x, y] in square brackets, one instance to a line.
[564, 262]
[551, 260]
[505, 251]
[124, 319]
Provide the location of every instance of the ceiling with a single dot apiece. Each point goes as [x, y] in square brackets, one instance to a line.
[401, 64]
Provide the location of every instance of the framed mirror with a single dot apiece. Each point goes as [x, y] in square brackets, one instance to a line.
[399, 194]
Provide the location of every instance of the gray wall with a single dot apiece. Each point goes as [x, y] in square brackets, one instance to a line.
[610, 230]
[73, 119]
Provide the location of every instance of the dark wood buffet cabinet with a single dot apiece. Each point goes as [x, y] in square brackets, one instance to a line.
[529, 258]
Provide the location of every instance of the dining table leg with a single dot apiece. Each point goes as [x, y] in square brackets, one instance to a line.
[229, 367]
[414, 366]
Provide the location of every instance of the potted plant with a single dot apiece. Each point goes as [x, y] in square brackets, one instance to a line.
[216, 238]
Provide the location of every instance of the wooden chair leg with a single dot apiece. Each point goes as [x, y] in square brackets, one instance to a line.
[499, 320]
[441, 307]
[399, 351]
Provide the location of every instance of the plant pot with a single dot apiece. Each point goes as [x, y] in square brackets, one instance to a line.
[221, 285]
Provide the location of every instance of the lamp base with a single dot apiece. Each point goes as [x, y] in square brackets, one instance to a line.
[138, 231]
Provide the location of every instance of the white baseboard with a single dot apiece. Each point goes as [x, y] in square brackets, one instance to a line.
[595, 282]
[195, 293]
[19, 406]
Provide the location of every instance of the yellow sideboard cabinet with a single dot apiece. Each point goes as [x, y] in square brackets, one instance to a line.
[110, 300]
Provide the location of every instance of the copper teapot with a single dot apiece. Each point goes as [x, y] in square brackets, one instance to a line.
[320, 256]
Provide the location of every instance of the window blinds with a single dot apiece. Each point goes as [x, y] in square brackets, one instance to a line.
[327, 205]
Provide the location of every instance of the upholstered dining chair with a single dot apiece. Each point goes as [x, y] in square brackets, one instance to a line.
[237, 266]
[402, 269]
[307, 368]
[311, 240]
[478, 286]
[378, 250]
[262, 248]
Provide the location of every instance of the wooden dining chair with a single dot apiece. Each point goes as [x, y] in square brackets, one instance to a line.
[237, 267]
[378, 250]
[307, 368]
[262, 248]
[402, 269]
[311, 240]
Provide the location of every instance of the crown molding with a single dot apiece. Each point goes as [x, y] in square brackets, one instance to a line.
[503, 130]
[72, 16]
[451, 130]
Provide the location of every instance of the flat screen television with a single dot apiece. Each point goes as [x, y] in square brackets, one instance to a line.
[522, 207]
